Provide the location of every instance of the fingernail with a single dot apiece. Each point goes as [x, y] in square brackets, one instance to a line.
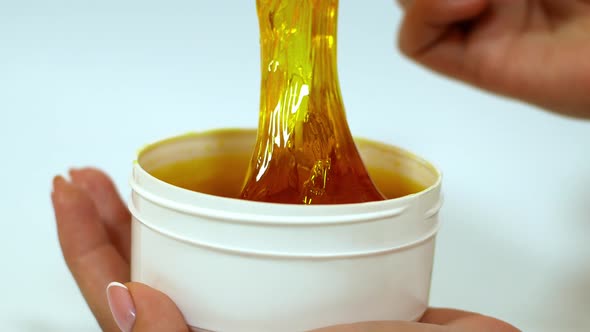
[79, 179]
[58, 181]
[64, 193]
[74, 175]
[122, 306]
[58, 184]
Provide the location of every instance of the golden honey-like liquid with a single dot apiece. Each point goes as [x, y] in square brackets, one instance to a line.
[304, 152]
[214, 180]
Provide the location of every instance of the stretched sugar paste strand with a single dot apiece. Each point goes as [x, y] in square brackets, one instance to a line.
[304, 152]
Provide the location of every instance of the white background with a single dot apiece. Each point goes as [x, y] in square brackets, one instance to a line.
[89, 82]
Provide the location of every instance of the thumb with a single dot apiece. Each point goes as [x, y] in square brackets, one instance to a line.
[140, 308]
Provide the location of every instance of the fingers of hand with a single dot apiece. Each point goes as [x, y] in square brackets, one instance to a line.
[464, 321]
[111, 208]
[89, 254]
[404, 3]
[102, 190]
[386, 326]
[79, 226]
[442, 316]
[434, 320]
[480, 323]
[429, 34]
[154, 311]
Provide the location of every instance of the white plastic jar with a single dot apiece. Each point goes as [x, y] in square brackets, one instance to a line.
[236, 265]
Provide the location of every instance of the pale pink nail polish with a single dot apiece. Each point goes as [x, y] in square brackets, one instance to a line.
[122, 306]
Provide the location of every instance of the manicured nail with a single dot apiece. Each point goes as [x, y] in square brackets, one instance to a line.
[59, 183]
[122, 306]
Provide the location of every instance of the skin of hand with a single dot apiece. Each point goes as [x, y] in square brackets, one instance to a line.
[537, 51]
[94, 230]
